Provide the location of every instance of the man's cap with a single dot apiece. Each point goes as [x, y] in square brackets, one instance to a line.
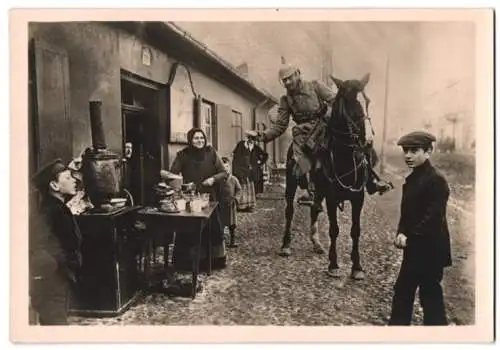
[416, 139]
[286, 69]
[251, 133]
[48, 172]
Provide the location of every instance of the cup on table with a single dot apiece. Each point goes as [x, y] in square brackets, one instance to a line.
[196, 205]
[205, 199]
[181, 204]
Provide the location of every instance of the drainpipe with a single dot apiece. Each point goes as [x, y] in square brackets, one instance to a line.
[254, 112]
[254, 122]
[254, 115]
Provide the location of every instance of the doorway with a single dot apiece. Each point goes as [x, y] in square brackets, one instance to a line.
[140, 121]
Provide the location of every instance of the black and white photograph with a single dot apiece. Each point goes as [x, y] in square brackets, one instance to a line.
[292, 169]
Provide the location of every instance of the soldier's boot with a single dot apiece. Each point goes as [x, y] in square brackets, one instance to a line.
[317, 202]
[306, 196]
[310, 197]
[375, 184]
[317, 198]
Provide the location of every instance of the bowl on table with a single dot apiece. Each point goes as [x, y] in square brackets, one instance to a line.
[118, 202]
[172, 180]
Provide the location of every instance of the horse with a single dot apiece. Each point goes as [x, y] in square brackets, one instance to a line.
[342, 176]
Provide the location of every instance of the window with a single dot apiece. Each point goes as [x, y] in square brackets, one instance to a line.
[207, 122]
[237, 124]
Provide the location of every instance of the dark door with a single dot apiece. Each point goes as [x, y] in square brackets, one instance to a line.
[51, 121]
[143, 167]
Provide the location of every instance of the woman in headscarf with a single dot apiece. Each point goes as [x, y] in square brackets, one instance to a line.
[199, 163]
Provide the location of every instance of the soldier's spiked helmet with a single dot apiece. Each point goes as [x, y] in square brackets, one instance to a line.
[286, 69]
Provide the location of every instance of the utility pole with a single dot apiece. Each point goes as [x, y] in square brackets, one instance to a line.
[453, 119]
[384, 128]
[326, 48]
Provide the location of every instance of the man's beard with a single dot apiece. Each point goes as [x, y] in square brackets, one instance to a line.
[293, 87]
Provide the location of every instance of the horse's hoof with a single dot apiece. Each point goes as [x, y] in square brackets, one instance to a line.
[358, 275]
[286, 251]
[318, 249]
[335, 273]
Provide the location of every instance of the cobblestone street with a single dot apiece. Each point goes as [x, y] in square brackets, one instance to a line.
[259, 287]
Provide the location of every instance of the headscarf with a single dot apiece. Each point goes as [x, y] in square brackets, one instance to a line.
[197, 153]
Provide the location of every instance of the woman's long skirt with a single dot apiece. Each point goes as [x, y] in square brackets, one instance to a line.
[185, 247]
[247, 200]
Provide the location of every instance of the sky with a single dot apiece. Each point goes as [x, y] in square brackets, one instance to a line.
[424, 59]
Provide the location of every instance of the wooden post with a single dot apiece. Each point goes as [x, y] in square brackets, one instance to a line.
[384, 129]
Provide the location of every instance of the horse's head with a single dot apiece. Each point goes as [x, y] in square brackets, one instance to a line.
[349, 89]
[347, 113]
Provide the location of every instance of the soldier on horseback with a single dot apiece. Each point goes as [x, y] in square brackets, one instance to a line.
[308, 102]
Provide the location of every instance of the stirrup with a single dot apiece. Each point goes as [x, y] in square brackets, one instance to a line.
[304, 202]
[384, 187]
[307, 200]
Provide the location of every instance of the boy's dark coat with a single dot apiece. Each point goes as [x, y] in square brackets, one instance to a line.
[423, 218]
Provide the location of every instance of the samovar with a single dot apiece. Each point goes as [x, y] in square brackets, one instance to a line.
[101, 168]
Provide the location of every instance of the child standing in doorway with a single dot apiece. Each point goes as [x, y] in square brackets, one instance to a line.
[230, 193]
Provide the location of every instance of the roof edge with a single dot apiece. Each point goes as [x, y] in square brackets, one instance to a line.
[228, 66]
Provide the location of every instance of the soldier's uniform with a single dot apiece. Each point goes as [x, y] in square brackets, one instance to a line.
[427, 252]
[55, 257]
[307, 106]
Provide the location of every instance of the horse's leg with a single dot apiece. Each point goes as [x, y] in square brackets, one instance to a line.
[317, 246]
[356, 205]
[331, 207]
[291, 188]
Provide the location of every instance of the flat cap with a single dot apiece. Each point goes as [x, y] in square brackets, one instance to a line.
[48, 172]
[416, 139]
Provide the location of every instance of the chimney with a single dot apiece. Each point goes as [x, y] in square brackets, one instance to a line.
[96, 128]
[243, 69]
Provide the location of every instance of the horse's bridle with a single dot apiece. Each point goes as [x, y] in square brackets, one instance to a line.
[356, 148]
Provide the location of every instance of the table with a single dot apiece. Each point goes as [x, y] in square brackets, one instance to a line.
[187, 223]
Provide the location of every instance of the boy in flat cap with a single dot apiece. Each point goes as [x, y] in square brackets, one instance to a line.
[422, 234]
[55, 240]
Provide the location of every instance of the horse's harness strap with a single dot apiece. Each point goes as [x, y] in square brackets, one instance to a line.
[357, 147]
[367, 104]
[352, 125]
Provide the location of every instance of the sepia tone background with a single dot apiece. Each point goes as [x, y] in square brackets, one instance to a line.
[406, 99]
[431, 65]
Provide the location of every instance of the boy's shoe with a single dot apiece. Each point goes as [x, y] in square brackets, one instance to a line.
[233, 245]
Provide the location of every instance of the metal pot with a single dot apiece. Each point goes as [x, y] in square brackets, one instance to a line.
[102, 173]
